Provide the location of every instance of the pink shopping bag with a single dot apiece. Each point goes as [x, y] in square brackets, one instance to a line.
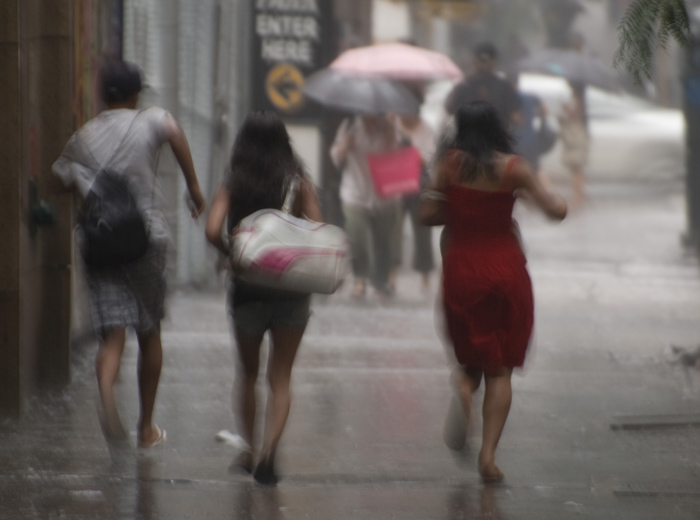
[396, 172]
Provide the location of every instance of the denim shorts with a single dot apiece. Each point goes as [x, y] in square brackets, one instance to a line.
[256, 317]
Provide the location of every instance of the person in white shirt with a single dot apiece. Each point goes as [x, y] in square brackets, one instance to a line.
[370, 220]
[126, 141]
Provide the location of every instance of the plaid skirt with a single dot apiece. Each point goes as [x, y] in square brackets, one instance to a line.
[131, 295]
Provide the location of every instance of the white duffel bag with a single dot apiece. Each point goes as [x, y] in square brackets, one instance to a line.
[273, 248]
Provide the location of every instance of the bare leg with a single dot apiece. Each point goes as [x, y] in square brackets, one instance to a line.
[425, 282]
[467, 382]
[249, 356]
[107, 366]
[497, 399]
[150, 363]
[579, 184]
[393, 275]
[285, 341]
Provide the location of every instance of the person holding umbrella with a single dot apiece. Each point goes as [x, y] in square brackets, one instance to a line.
[573, 124]
[370, 220]
[371, 82]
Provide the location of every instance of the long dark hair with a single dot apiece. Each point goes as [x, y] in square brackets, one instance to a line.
[479, 134]
[262, 163]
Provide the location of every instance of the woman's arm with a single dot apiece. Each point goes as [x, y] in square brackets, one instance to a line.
[431, 209]
[217, 218]
[310, 207]
[344, 141]
[526, 179]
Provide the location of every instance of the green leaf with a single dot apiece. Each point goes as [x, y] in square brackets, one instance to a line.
[646, 26]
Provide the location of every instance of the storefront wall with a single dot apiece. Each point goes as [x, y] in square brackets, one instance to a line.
[35, 261]
[49, 53]
[187, 50]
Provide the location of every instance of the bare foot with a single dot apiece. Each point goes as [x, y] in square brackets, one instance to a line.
[111, 424]
[359, 289]
[489, 472]
[455, 429]
[151, 435]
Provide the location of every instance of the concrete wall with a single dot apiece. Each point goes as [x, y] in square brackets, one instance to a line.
[190, 54]
[36, 103]
[10, 158]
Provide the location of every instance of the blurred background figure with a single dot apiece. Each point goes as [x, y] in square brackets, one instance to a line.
[127, 141]
[529, 129]
[416, 132]
[487, 293]
[261, 168]
[573, 124]
[578, 44]
[370, 220]
[486, 85]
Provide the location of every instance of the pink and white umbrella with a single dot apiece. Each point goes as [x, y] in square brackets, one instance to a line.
[397, 61]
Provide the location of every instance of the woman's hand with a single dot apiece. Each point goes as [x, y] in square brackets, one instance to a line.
[216, 219]
[535, 188]
[196, 202]
[343, 143]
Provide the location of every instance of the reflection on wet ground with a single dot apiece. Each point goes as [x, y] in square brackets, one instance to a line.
[364, 438]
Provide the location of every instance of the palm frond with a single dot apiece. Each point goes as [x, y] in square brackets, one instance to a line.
[646, 26]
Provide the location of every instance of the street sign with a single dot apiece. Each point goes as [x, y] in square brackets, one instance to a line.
[291, 40]
[283, 87]
[456, 9]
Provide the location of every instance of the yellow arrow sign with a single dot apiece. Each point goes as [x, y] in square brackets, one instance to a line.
[283, 86]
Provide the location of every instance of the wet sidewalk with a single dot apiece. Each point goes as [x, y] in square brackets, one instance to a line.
[614, 291]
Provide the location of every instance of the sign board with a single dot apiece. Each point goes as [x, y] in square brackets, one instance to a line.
[291, 40]
[457, 9]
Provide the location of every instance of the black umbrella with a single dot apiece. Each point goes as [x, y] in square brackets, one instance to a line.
[363, 94]
[570, 65]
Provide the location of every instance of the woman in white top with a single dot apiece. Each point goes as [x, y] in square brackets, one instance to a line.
[370, 220]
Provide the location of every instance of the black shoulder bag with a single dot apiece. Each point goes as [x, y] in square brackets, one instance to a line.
[112, 230]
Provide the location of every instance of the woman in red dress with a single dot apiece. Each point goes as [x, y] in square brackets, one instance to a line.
[487, 294]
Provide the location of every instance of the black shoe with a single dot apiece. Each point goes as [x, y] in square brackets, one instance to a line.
[242, 464]
[265, 472]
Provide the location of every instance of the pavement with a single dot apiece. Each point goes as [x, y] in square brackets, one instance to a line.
[601, 424]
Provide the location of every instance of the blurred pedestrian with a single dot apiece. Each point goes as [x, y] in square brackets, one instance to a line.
[486, 85]
[487, 294]
[261, 168]
[575, 140]
[528, 130]
[370, 220]
[126, 142]
[415, 131]
[577, 41]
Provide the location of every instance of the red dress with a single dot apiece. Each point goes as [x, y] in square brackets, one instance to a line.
[487, 292]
